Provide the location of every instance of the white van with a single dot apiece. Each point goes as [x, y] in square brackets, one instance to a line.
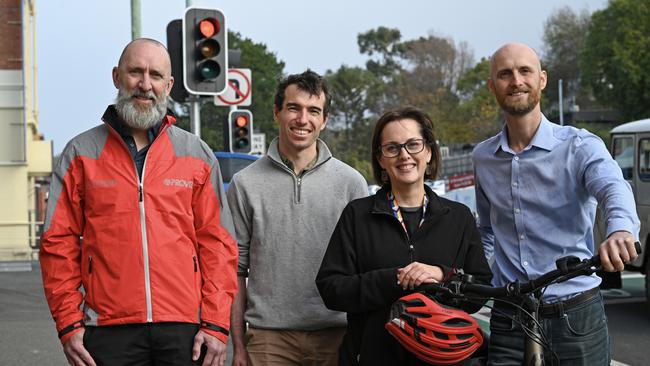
[630, 147]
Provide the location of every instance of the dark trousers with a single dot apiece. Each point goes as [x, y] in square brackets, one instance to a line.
[577, 335]
[151, 344]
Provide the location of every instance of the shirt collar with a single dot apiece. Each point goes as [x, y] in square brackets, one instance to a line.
[543, 138]
[309, 166]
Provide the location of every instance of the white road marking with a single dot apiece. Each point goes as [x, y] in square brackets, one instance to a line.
[616, 363]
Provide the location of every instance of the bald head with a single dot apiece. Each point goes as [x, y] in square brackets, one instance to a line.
[140, 41]
[517, 51]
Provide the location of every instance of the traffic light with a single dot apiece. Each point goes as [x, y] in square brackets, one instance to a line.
[205, 51]
[175, 48]
[240, 131]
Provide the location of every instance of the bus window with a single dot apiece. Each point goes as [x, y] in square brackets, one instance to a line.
[644, 159]
[623, 153]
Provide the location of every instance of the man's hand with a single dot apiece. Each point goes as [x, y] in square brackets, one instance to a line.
[240, 356]
[216, 350]
[617, 250]
[416, 274]
[75, 351]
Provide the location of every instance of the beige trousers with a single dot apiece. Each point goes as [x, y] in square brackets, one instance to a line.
[270, 347]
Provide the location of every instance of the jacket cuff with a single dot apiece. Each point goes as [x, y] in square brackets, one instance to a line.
[215, 331]
[67, 332]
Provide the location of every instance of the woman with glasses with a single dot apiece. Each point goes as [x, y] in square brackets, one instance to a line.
[386, 245]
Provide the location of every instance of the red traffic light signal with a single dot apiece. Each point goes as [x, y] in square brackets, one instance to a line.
[240, 130]
[205, 51]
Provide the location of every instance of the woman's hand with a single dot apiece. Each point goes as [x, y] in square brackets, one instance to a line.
[416, 274]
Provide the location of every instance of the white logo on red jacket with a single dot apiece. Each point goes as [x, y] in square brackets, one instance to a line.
[178, 183]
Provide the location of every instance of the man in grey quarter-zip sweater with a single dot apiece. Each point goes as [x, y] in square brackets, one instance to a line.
[285, 207]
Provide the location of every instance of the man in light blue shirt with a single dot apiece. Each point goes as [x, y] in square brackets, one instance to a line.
[537, 187]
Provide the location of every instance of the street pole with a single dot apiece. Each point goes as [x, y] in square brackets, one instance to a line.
[195, 114]
[136, 28]
[194, 101]
[559, 91]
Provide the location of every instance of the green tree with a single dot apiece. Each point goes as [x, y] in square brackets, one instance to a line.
[385, 43]
[352, 90]
[564, 38]
[432, 67]
[616, 57]
[478, 111]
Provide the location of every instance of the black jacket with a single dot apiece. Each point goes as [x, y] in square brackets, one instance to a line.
[358, 274]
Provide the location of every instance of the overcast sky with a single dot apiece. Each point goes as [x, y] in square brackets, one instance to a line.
[79, 41]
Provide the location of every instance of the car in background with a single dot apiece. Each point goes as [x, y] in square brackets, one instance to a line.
[231, 163]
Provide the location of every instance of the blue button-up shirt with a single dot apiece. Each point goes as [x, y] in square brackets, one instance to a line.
[539, 204]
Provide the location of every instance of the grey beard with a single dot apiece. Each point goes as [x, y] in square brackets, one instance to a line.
[136, 118]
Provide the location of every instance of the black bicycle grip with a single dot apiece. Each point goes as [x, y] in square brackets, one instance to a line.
[595, 260]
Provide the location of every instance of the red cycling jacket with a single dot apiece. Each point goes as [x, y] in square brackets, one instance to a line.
[150, 251]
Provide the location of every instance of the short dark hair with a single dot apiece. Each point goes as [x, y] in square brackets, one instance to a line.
[309, 82]
[426, 130]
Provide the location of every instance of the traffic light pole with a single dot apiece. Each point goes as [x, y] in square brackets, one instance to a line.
[195, 114]
[193, 100]
[136, 29]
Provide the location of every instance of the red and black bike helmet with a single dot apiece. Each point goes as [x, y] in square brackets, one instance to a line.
[434, 333]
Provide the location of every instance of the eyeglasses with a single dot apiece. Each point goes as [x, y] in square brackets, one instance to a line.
[412, 147]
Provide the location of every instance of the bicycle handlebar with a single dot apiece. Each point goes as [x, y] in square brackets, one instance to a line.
[566, 268]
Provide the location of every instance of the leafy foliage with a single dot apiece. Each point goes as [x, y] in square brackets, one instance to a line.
[616, 57]
[564, 38]
[432, 73]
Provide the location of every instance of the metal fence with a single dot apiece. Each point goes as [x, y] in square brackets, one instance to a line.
[456, 164]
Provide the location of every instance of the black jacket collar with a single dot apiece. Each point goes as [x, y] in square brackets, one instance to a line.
[435, 207]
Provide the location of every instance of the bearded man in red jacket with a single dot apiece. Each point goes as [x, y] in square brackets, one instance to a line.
[137, 215]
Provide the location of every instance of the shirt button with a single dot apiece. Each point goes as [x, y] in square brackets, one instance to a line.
[514, 184]
[525, 263]
[522, 236]
[517, 210]
[516, 158]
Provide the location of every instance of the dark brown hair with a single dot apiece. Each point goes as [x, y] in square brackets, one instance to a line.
[426, 130]
[309, 82]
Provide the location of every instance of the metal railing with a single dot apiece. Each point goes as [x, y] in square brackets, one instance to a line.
[456, 164]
